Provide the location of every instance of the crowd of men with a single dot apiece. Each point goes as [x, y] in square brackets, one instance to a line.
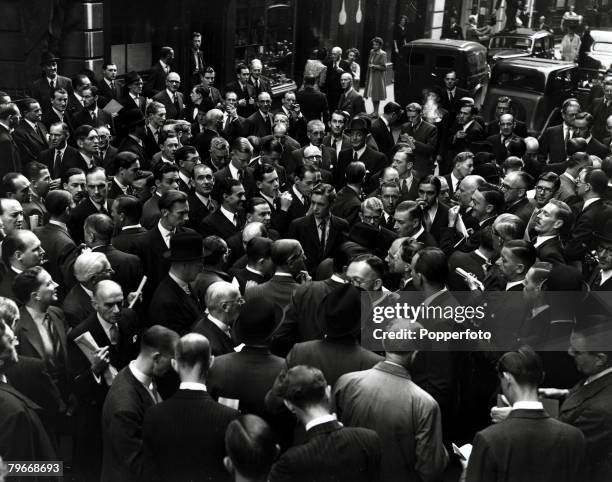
[259, 231]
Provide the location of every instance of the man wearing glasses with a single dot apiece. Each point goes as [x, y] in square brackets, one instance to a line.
[171, 98]
[515, 186]
[260, 122]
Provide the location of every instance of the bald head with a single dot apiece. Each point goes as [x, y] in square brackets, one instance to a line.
[108, 300]
[192, 352]
[253, 230]
[218, 294]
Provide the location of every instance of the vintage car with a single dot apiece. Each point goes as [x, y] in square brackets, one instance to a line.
[599, 55]
[537, 86]
[423, 63]
[523, 42]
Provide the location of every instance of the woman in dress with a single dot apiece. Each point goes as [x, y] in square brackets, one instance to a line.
[352, 57]
[400, 35]
[375, 87]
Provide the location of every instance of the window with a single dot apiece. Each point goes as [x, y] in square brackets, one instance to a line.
[445, 62]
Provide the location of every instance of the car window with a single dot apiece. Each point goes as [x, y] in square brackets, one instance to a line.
[417, 58]
[531, 81]
[539, 46]
[445, 62]
[521, 43]
[476, 62]
[602, 47]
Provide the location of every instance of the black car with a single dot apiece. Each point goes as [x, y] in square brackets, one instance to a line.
[523, 42]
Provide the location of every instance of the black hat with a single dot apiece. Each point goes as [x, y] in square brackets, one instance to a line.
[132, 77]
[339, 314]
[47, 58]
[365, 235]
[357, 124]
[259, 319]
[131, 117]
[185, 246]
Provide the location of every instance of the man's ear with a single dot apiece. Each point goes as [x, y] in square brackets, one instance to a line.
[289, 406]
[174, 365]
[229, 466]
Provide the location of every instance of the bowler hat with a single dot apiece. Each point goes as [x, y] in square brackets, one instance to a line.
[132, 77]
[131, 117]
[339, 314]
[365, 235]
[47, 58]
[357, 124]
[259, 319]
[185, 246]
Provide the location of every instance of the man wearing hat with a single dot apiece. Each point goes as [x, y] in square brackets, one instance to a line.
[357, 131]
[133, 98]
[339, 318]
[173, 304]
[331, 451]
[42, 87]
[133, 121]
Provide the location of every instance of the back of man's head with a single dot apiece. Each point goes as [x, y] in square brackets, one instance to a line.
[303, 386]
[158, 339]
[524, 365]
[192, 350]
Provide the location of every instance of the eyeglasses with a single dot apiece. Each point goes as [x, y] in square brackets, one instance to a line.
[505, 187]
[239, 301]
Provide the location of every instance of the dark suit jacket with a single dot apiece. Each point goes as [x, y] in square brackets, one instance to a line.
[106, 93]
[587, 408]
[202, 140]
[127, 267]
[455, 145]
[347, 205]
[597, 148]
[243, 276]
[522, 209]
[587, 223]
[29, 142]
[499, 149]
[440, 221]
[254, 125]
[264, 86]
[41, 90]
[129, 103]
[71, 158]
[77, 218]
[122, 419]
[173, 444]
[197, 211]
[313, 104]
[247, 93]
[552, 144]
[60, 254]
[331, 452]
[49, 117]
[217, 223]
[374, 162]
[528, 446]
[332, 86]
[600, 112]
[127, 240]
[129, 144]
[9, 153]
[248, 181]
[83, 117]
[425, 145]
[108, 160]
[305, 230]
[446, 103]
[156, 81]
[77, 306]
[172, 307]
[351, 102]
[150, 212]
[384, 138]
[220, 343]
[551, 251]
[171, 109]
[6, 284]
[278, 289]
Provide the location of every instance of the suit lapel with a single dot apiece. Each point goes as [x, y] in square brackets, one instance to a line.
[31, 332]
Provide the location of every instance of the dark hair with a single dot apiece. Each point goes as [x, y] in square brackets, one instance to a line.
[130, 206]
[493, 196]
[550, 176]
[516, 147]
[309, 80]
[165, 135]
[301, 385]
[162, 168]
[257, 248]
[82, 132]
[433, 265]
[431, 179]
[524, 364]
[577, 158]
[253, 202]
[213, 248]
[523, 251]
[415, 211]
[125, 159]
[586, 116]
[102, 225]
[261, 170]
[576, 145]
[58, 90]
[12, 243]
[57, 201]
[227, 185]
[326, 190]
[392, 108]
[93, 89]
[170, 198]
[251, 446]
[24, 104]
[513, 162]
[182, 153]
[409, 248]
[68, 173]
[598, 181]
[7, 184]
[374, 262]
[356, 173]
[165, 51]
[271, 145]
[106, 63]
[26, 283]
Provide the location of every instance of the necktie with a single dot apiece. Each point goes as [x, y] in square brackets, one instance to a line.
[404, 189]
[154, 393]
[240, 175]
[114, 334]
[103, 209]
[176, 104]
[58, 161]
[52, 334]
[323, 228]
[52, 84]
[93, 116]
[451, 97]
[235, 220]
[39, 133]
[568, 135]
[355, 156]
[112, 84]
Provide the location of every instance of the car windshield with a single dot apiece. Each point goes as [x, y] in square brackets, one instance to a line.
[519, 43]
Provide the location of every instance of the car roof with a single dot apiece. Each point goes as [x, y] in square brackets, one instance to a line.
[601, 35]
[449, 44]
[545, 66]
[525, 32]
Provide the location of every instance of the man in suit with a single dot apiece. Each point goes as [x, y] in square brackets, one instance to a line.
[213, 122]
[463, 165]
[223, 301]
[9, 150]
[156, 118]
[295, 119]
[462, 134]
[132, 393]
[232, 125]
[125, 166]
[60, 156]
[374, 161]
[127, 267]
[336, 139]
[166, 179]
[515, 186]
[115, 331]
[382, 128]
[267, 182]
[335, 68]
[196, 58]
[256, 80]
[126, 212]
[24, 437]
[41, 328]
[315, 131]
[583, 124]
[306, 393]
[553, 141]
[31, 135]
[171, 98]
[20, 250]
[207, 79]
[86, 138]
[450, 99]
[75, 99]
[244, 91]
[435, 214]
[423, 136]
[350, 100]
[403, 161]
[601, 109]
[304, 180]
[386, 400]
[500, 140]
[95, 202]
[408, 218]
[529, 437]
[226, 220]
[91, 114]
[133, 98]
[57, 110]
[313, 103]
[201, 203]
[173, 304]
[260, 122]
[505, 106]
[157, 73]
[109, 87]
[320, 232]
[42, 87]
[258, 268]
[348, 201]
[591, 213]
[553, 218]
[173, 445]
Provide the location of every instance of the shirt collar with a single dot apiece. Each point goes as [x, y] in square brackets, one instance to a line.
[233, 170]
[224, 327]
[58, 223]
[204, 199]
[229, 215]
[170, 94]
[123, 188]
[253, 270]
[466, 126]
[182, 284]
[163, 64]
[384, 119]
[105, 325]
[540, 240]
[321, 420]
[164, 232]
[588, 202]
[569, 176]
[602, 373]
[360, 151]
[512, 284]
[337, 279]
[131, 226]
[430, 298]
[141, 377]
[528, 405]
[88, 291]
[418, 233]
[59, 114]
[200, 387]
[185, 179]
[30, 123]
[605, 276]
[298, 194]
[267, 198]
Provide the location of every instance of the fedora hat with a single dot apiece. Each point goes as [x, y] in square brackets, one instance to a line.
[132, 77]
[258, 321]
[339, 313]
[131, 117]
[357, 124]
[185, 246]
[365, 235]
[47, 58]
